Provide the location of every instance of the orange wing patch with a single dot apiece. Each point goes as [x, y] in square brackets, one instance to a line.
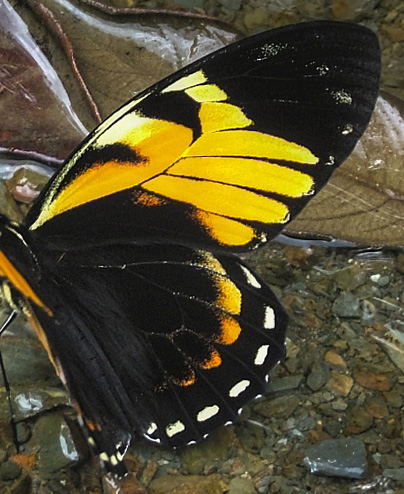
[214, 361]
[10, 272]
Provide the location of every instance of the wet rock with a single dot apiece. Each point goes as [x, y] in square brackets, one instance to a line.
[282, 407]
[22, 486]
[350, 278]
[358, 420]
[346, 305]
[390, 461]
[394, 398]
[333, 428]
[286, 383]
[368, 378]
[339, 405]
[319, 375]
[251, 436]
[52, 436]
[335, 360]
[340, 384]
[394, 473]
[338, 458]
[9, 470]
[31, 401]
[213, 448]
[396, 34]
[255, 18]
[380, 280]
[376, 406]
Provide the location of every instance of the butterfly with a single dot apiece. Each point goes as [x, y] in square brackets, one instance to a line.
[126, 265]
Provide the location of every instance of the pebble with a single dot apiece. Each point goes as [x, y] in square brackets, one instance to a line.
[340, 458]
[358, 420]
[371, 379]
[335, 360]
[377, 407]
[239, 485]
[350, 278]
[394, 473]
[57, 449]
[319, 375]
[394, 398]
[9, 470]
[282, 407]
[340, 384]
[346, 305]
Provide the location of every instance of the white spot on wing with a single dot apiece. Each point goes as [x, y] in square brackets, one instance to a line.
[271, 49]
[152, 428]
[251, 279]
[348, 129]
[238, 388]
[207, 413]
[175, 428]
[104, 457]
[269, 318]
[342, 96]
[322, 69]
[261, 354]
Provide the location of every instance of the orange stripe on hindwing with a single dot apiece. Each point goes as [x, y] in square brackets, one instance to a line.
[9, 271]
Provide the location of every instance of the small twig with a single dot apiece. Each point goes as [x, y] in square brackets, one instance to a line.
[53, 24]
[32, 155]
[110, 9]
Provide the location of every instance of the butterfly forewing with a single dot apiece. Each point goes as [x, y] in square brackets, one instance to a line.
[225, 152]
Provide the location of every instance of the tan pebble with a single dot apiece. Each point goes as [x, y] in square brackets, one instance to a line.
[335, 360]
[396, 34]
[372, 380]
[340, 384]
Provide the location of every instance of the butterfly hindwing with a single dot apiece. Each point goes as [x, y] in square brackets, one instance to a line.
[224, 152]
[187, 339]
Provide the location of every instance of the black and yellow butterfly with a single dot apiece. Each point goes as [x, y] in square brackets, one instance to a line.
[124, 265]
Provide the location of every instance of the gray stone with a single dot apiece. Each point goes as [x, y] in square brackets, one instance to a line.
[346, 305]
[9, 471]
[394, 473]
[319, 375]
[52, 437]
[338, 458]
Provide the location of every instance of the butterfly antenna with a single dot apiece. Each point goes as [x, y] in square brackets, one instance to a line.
[3, 327]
